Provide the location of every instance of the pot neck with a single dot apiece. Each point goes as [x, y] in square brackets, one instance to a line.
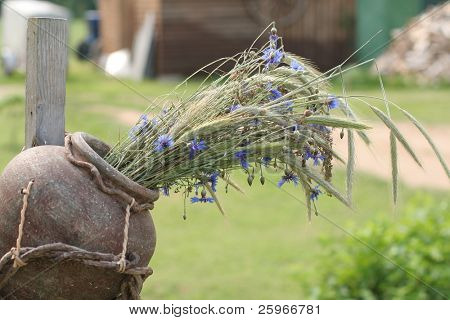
[92, 150]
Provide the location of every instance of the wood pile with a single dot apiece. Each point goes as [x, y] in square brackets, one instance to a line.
[422, 48]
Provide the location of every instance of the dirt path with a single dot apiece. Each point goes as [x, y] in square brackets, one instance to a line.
[124, 116]
[7, 90]
[376, 160]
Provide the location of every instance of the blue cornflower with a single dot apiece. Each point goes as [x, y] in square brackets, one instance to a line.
[133, 133]
[242, 156]
[255, 122]
[196, 146]
[275, 94]
[319, 127]
[288, 177]
[274, 38]
[272, 56]
[333, 102]
[289, 105]
[213, 178]
[265, 161]
[143, 119]
[165, 190]
[317, 157]
[140, 127]
[202, 199]
[164, 111]
[315, 192]
[295, 65]
[234, 107]
[164, 141]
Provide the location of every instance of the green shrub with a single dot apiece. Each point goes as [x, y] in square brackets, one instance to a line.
[418, 240]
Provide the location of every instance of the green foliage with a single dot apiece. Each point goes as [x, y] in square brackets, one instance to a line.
[418, 242]
[77, 7]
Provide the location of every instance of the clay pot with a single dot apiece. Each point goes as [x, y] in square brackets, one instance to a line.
[66, 206]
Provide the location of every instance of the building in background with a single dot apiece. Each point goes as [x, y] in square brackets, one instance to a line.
[188, 34]
[191, 33]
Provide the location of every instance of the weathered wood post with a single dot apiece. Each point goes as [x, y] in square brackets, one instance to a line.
[45, 81]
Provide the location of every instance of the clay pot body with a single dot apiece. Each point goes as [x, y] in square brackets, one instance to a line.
[65, 205]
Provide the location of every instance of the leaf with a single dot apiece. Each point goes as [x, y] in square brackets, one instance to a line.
[380, 114]
[307, 190]
[336, 122]
[428, 138]
[393, 142]
[351, 114]
[394, 164]
[364, 137]
[233, 184]
[216, 200]
[350, 164]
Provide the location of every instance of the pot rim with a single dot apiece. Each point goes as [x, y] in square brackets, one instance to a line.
[93, 150]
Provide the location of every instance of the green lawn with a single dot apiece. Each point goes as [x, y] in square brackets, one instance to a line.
[264, 248]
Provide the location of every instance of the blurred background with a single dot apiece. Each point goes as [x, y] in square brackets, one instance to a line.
[265, 248]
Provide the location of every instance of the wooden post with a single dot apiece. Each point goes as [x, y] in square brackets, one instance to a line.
[45, 81]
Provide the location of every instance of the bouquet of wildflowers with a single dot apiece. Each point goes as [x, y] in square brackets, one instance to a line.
[272, 109]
